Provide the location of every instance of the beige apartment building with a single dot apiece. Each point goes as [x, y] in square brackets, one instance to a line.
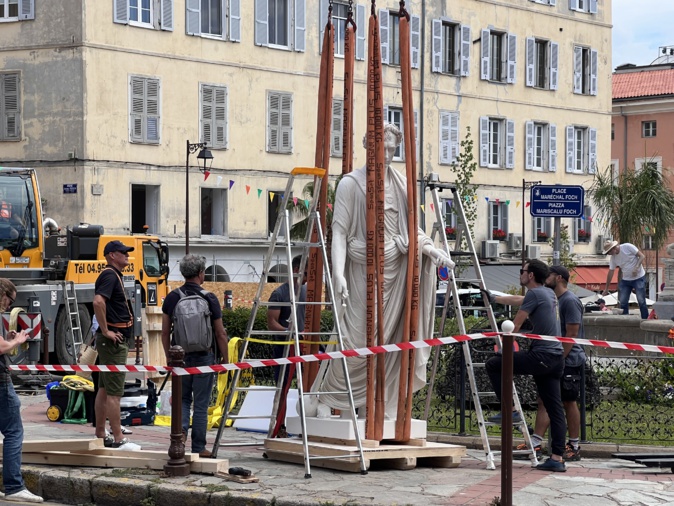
[102, 96]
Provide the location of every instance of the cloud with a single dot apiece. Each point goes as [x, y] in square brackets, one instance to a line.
[639, 28]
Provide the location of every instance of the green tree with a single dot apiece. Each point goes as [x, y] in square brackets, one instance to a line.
[566, 258]
[464, 168]
[636, 203]
[301, 210]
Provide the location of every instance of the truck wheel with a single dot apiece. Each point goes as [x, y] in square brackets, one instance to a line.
[62, 340]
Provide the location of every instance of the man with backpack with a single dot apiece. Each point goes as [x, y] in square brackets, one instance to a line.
[192, 319]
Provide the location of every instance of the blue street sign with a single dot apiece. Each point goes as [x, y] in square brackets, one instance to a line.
[70, 188]
[555, 201]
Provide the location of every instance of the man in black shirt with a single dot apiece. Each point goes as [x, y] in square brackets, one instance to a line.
[115, 331]
[196, 387]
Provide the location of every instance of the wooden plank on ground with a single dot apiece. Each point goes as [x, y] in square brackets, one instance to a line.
[366, 443]
[61, 445]
[338, 464]
[70, 459]
[209, 466]
[189, 457]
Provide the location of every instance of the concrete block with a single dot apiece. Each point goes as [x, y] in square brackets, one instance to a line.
[63, 486]
[118, 491]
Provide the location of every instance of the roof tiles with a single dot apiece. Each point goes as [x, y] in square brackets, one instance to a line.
[648, 83]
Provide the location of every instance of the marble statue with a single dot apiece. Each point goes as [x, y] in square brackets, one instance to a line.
[349, 279]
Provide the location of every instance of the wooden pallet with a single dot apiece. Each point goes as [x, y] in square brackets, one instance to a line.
[392, 456]
[92, 453]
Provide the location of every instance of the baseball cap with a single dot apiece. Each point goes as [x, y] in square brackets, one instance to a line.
[560, 270]
[113, 246]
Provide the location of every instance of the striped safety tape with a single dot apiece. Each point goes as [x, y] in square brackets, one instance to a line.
[358, 352]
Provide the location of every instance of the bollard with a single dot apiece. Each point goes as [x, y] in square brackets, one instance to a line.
[507, 421]
[229, 299]
[176, 465]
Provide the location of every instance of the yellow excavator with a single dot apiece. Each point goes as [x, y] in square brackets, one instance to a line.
[55, 271]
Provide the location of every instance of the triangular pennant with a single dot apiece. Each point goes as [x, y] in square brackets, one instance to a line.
[422, 208]
[259, 192]
[432, 207]
[247, 189]
[590, 219]
[487, 199]
[475, 198]
[507, 202]
[330, 207]
[271, 196]
[306, 203]
[295, 201]
[528, 204]
[498, 201]
[518, 203]
[231, 183]
[206, 174]
[218, 180]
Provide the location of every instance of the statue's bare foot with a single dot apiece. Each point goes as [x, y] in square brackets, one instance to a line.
[323, 411]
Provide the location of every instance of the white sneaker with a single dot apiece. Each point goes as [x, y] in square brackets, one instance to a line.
[24, 496]
[129, 446]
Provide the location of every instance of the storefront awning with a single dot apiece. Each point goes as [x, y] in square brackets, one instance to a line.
[593, 277]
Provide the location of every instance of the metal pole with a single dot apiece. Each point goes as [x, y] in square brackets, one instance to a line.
[187, 199]
[507, 421]
[583, 405]
[176, 466]
[557, 242]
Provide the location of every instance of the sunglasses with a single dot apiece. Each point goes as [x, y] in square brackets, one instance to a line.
[11, 299]
[522, 271]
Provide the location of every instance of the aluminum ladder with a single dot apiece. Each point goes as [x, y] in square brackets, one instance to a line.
[283, 223]
[468, 271]
[73, 320]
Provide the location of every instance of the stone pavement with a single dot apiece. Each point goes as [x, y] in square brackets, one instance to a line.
[598, 481]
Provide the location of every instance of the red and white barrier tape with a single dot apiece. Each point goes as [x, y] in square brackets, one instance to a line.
[358, 352]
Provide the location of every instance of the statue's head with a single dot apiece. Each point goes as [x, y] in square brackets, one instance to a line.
[392, 139]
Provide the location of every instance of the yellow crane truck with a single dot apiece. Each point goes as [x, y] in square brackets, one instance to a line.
[55, 271]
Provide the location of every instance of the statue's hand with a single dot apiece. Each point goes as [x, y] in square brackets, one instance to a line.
[340, 287]
[442, 259]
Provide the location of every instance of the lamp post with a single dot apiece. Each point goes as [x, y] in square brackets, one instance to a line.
[205, 155]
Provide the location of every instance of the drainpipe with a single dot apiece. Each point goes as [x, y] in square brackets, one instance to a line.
[422, 68]
[624, 116]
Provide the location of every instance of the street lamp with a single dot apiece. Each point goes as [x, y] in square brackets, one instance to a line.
[205, 155]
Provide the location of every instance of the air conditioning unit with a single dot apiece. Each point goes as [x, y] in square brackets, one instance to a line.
[533, 252]
[490, 249]
[514, 242]
[599, 246]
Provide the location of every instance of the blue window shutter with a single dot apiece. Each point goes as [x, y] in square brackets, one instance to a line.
[193, 17]
[261, 23]
[235, 20]
[120, 11]
[167, 15]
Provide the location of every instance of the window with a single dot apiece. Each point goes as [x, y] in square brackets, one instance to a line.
[279, 122]
[448, 212]
[542, 64]
[213, 127]
[336, 127]
[389, 32]
[10, 107]
[581, 150]
[449, 137]
[339, 16]
[583, 6]
[281, 24]
[582, 227]
[612, 131]
[648, 128]
[615, 171]
[220, 19]
[654, 162]
[648, 242]
[584, 70]
[17, 10]
[145, 209]
[274, 207]
[154, 14]
[144, 98]
[498, 220]
[497, 143]
[541, 229]
[394, 115]
[499, 56]
[213, 211]
[451, 48]
[545, 2]
[541, 146]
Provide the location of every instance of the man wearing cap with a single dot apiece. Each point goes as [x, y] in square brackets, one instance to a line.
[115, 331]
[628, 257]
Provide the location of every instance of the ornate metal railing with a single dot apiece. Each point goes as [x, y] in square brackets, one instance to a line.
[624, 399]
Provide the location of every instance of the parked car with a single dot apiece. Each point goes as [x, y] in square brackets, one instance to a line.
[469, 297]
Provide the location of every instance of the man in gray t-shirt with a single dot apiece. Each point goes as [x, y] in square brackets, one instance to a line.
[544, 360]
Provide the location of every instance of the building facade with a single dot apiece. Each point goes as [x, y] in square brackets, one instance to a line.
[105, 99]
[642, 131]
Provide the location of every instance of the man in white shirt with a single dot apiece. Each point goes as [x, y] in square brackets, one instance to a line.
[628, 257]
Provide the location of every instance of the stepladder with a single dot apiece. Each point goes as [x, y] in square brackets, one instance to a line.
[291, 338]
[468, 276]
[74, 325]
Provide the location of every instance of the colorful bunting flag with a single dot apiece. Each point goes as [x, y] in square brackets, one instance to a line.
[507, 202]
[330, 207]
[271, 196]
[433, 207]
[518, 203]
[528, 204]
[259, 192]
[295, 201]
[247, 189]
[422, 208]
[218, 180]
[206, 174]
[231, 183]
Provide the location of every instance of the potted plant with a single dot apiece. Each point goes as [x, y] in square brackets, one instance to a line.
[542, 236]
[583, 235]
[498, 235]
[450, 232]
